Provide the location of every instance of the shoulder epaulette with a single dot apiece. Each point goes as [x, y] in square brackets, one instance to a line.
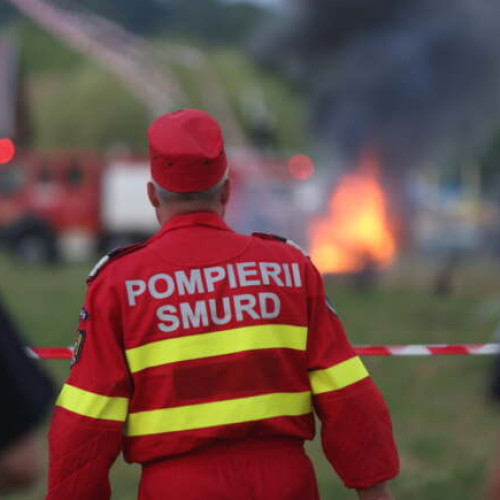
[110, 257]
[275, 237]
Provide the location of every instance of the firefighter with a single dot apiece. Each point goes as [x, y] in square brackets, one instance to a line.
[203, 354]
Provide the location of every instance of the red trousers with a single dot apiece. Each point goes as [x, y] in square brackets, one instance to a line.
[272, 469]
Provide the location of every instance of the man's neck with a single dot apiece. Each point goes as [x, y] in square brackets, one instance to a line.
[164, 214]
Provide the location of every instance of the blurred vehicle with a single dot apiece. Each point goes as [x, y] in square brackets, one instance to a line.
[67, 206]
[57, 206]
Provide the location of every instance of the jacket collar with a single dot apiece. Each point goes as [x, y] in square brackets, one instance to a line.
[207, 219]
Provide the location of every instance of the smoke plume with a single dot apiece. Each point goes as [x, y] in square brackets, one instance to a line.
[418, 80]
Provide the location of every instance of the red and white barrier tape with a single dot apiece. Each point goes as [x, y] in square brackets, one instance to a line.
[427, 349]
[368, 350]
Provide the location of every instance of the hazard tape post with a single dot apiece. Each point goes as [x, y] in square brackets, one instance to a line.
[368, 350]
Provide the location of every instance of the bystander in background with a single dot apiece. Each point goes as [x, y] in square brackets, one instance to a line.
[27, 394]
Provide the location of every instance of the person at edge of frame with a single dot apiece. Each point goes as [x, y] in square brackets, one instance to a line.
[28, 395]
[493, 476]
[204, 353]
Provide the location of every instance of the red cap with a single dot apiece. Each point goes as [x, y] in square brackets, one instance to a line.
[186, 151]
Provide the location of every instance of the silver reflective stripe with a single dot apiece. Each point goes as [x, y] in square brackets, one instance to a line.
[298, 247]
[98, 266]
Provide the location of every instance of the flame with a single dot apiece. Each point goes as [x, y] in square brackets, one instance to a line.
[356, 232]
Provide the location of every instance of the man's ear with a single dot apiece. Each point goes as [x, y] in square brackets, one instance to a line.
[225, 193]
[152, 195]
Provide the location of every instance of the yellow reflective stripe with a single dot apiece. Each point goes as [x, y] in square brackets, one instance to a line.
[216, 413]
[92, 405]
[206, 345]
[338, 376]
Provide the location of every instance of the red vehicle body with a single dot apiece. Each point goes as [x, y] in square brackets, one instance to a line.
[70, 204]
[47, 196]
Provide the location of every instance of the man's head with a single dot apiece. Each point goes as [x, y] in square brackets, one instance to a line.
[188, 164]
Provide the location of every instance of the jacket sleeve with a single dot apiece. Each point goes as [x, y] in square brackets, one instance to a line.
[356, 429]
[86, 430]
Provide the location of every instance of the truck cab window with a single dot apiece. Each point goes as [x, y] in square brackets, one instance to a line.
[11, 180]
[45, 175]
[75, 174]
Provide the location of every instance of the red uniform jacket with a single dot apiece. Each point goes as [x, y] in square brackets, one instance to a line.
[202, 335]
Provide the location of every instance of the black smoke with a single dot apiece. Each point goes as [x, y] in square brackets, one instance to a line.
[417, 80]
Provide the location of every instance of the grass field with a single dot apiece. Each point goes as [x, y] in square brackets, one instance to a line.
[445, 428]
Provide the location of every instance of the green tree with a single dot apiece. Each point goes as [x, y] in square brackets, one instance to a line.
[214, 21]
[6, 13]
[141, 16]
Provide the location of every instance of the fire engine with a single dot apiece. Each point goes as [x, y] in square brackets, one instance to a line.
[68, 205]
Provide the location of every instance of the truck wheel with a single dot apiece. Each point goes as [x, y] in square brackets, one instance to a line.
[35, 248]
[109, 242]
